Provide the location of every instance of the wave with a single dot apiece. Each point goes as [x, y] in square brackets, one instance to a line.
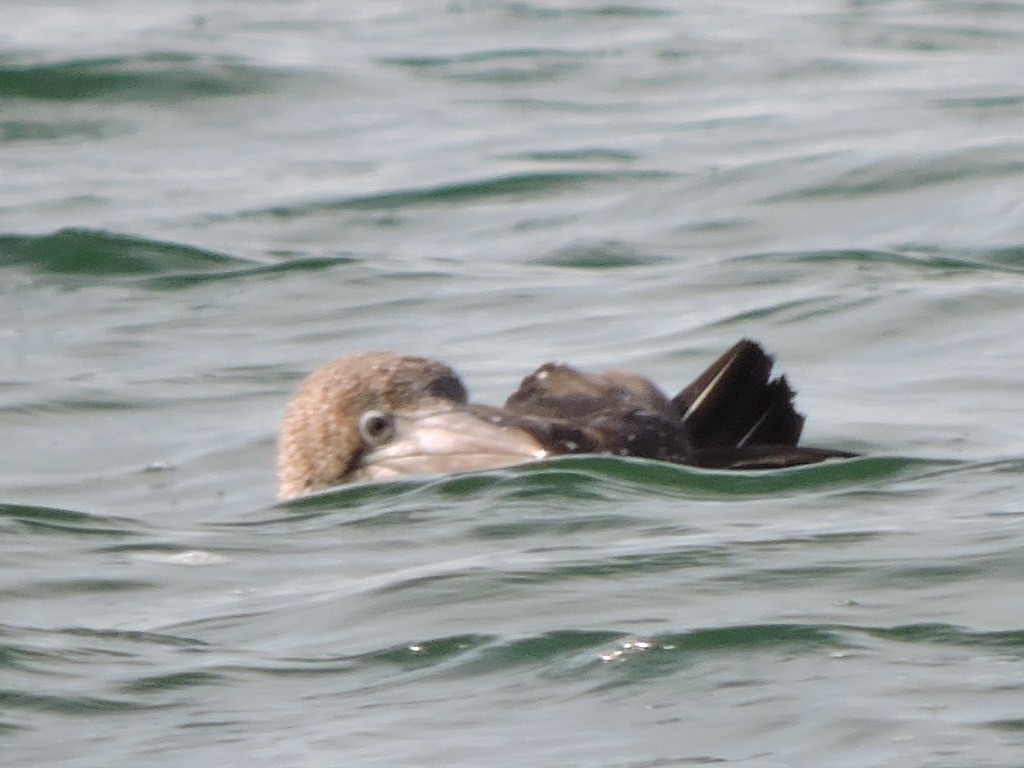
[160, 264]
[513, 186]
[906, 174]
[167, 77]
[100, 253]
[586, 655]
[596, 477]
[65, 521]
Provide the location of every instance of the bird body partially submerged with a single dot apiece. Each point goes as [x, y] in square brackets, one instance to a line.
[382, 415]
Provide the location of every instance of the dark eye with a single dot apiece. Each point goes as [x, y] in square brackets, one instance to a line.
[376, 427]
[448, 387]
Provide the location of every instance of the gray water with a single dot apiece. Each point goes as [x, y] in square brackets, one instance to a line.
[202, 201]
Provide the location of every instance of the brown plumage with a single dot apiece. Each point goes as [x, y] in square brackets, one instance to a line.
[381, 415]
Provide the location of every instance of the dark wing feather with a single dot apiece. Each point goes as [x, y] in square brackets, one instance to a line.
[563, 392]
[763, 457]
[733, 416]
[735, 403]
[570, 411]
[738, 417]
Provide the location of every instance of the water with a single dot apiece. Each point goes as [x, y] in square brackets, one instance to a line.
[201, 201]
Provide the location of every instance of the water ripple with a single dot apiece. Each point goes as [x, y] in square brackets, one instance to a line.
[98, 253]
[65, 521]
[150, 77]
[514, 186]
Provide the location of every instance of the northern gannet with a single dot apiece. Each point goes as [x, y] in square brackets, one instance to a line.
[382, 415]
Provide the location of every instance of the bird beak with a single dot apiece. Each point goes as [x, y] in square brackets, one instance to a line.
[443, 443]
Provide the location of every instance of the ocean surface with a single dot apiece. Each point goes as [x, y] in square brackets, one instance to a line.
[202, 200]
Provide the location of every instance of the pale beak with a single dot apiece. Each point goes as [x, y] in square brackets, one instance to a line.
[446, 442]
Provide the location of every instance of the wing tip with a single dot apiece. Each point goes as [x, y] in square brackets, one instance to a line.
[736, 402]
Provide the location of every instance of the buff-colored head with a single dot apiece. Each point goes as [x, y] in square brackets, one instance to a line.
[380, 415]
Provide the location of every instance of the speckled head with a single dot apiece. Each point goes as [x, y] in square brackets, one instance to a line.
[380, 415]
[321, 441]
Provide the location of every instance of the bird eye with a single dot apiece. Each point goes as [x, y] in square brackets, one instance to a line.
[376, 428]
[448, 387]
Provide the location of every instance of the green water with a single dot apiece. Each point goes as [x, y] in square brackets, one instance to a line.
[200, 202]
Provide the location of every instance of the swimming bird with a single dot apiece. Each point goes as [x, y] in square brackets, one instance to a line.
[381, 415]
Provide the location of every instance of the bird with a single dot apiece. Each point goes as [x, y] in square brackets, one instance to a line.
[383, 415]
